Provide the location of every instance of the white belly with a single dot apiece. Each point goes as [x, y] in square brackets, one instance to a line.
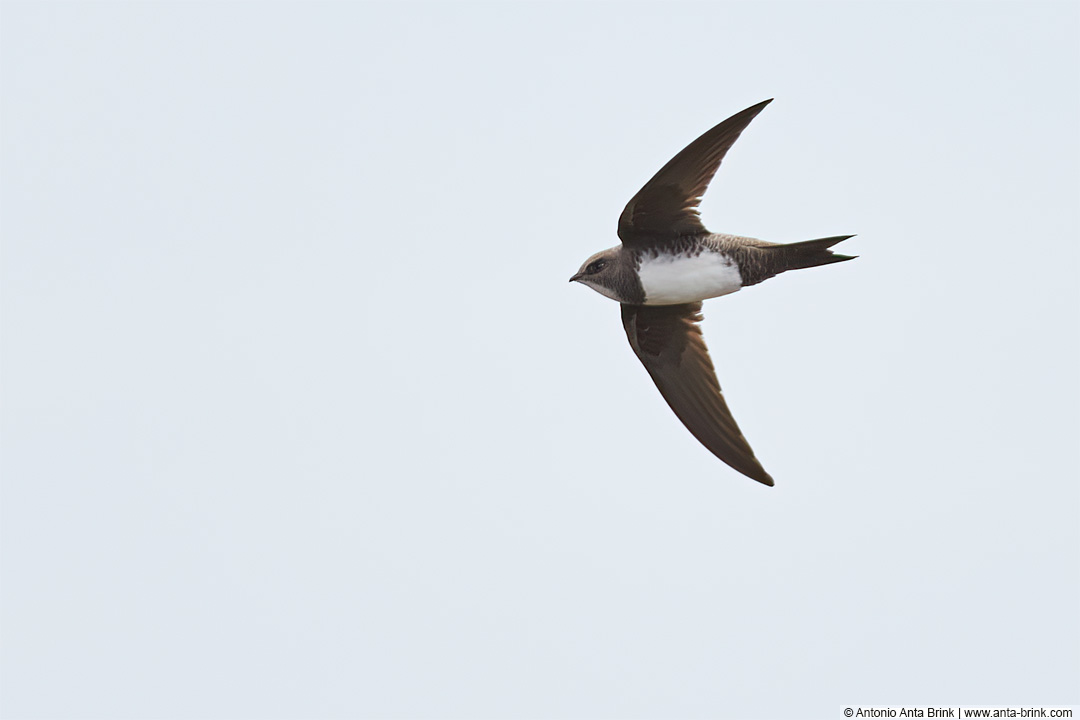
[676, 279]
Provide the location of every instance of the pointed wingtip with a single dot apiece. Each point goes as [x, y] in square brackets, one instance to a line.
[757, 473]
[754, 110]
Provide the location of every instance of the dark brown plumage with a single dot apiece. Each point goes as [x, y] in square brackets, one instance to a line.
[667, 339]
[666, 207]
[668, 263]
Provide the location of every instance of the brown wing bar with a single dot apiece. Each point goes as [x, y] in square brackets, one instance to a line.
[667, 340]
[666, 207]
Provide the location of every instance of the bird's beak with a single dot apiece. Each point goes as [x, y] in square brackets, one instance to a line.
[577, 276]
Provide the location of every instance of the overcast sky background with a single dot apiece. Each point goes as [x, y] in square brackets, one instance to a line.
[301, 418]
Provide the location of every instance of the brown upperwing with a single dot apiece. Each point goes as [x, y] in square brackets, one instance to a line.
[666, 207]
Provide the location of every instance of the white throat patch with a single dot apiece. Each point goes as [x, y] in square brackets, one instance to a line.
[606, 292]
[677, 279]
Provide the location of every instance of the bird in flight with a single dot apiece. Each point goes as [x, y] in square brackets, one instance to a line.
[668, 263]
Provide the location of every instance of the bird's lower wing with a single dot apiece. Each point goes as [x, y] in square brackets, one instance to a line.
[668, 341]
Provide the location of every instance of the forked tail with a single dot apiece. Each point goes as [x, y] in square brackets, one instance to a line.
[809, 253]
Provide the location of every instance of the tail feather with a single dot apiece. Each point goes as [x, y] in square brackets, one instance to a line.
[809, 253]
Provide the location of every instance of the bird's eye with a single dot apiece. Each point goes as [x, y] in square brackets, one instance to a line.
[595, 267]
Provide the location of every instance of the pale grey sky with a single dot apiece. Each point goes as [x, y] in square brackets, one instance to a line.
[301, 418]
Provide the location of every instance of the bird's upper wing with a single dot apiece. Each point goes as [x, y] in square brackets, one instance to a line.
[667, 206]
[667, 340]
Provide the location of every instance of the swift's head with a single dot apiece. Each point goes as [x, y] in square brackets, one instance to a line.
[611, 273]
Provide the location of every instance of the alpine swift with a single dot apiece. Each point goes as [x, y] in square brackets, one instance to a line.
[668, 263]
